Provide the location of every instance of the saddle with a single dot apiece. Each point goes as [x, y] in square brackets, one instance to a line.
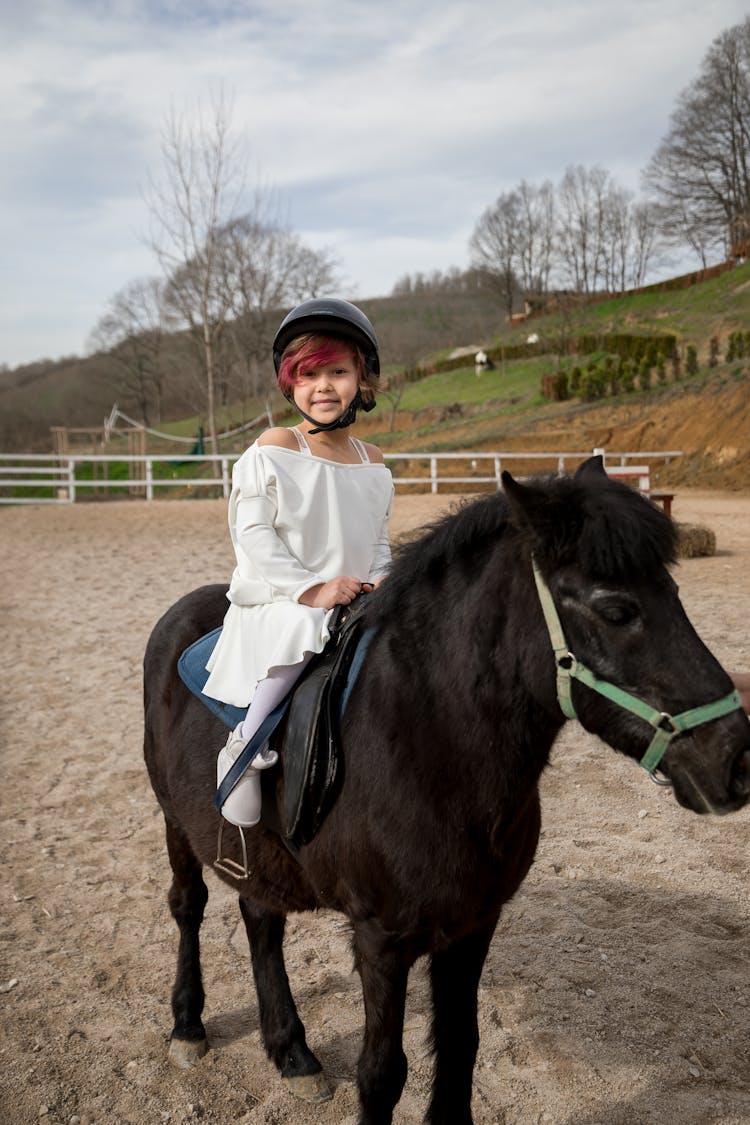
[304, 729]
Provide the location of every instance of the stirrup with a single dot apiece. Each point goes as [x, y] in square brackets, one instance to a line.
[225, 863]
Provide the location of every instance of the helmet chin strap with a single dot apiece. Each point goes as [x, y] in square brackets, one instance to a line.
[346, 419]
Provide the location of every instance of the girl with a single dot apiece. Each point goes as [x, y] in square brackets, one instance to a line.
[308, 520]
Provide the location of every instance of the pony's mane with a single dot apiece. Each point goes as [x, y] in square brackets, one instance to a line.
[605, 527]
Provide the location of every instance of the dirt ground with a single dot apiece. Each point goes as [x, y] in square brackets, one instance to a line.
[617, 988]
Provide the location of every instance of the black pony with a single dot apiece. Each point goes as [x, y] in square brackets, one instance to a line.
[445, 736]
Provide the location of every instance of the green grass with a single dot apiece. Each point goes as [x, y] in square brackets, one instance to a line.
[520, 378]
[714, 307]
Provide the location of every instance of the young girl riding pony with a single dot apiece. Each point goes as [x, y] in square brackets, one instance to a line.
[308, 519]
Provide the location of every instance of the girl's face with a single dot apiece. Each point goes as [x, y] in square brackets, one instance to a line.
[325, 392]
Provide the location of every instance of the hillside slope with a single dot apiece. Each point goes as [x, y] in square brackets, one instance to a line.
[707, 419]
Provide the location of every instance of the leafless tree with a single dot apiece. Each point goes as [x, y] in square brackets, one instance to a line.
[535, 235]
[494, 246]
[132, 330]
[646, 240]
[581, 226]
[200, 190]
[700, 173]
[266, 268]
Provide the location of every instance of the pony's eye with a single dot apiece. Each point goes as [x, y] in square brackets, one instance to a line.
[617, 613]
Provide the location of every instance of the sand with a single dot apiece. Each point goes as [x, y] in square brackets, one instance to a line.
[617, 988]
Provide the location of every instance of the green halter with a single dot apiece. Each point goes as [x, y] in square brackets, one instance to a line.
[569, 668]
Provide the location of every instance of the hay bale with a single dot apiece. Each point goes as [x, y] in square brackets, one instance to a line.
[694, 541]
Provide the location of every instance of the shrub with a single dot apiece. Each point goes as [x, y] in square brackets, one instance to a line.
[713, 351]
[644, 375]
[691, 360]
[555, 386]
[676, 365]
[628, 377]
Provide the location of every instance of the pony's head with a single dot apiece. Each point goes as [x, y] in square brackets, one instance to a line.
[604, 553]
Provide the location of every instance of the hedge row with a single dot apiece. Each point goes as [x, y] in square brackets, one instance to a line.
[626, 345]
[613, 375]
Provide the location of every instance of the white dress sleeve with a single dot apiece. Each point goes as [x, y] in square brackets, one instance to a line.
[252, 511]
[381, 555]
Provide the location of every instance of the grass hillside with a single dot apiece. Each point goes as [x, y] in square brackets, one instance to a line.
[706, 414]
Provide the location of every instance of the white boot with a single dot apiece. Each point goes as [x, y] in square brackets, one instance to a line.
[242, 806]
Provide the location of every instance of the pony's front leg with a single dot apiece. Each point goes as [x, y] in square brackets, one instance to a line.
[455, 974]
[282, 1030]
[381, 1071]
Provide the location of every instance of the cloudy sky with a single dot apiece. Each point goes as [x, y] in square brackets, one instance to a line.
[385, 128]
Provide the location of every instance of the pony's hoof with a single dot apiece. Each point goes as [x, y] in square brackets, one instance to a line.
[309, 1087]
[185, 1053]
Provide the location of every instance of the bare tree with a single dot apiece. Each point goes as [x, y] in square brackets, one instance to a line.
[700, 173]
[199, 192]
[133, 330]
[582, 196]
[630, 239]
[494, 246]
[265, 268]
[646, 240]
[535, 235]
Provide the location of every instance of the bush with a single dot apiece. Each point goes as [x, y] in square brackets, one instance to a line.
[628, 377]
[713, 351]
[644, 375]
[691, 360]
[555, 386]
[738, 345]
[676, 366]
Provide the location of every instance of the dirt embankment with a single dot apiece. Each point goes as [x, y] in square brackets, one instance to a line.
[709, 424]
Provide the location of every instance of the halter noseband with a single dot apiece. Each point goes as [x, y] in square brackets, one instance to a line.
[666, 726]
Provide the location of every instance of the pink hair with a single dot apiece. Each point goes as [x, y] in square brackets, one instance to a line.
[310, 351]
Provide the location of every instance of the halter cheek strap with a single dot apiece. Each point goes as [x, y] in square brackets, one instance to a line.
[666, 726]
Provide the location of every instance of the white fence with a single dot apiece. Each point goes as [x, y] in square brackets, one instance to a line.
[58, 474]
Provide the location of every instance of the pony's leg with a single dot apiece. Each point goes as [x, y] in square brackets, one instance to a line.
[381, 1070]
[455, 974]
[187, 901]
[282, 1029]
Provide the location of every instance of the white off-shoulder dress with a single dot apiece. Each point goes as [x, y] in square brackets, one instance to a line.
[296, 520]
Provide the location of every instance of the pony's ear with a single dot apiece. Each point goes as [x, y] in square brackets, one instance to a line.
[592, 466]
[528, 505]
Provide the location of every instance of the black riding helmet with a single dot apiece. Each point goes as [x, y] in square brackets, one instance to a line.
[331, 317]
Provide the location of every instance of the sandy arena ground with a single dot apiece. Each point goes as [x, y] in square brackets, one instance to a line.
[617, 989]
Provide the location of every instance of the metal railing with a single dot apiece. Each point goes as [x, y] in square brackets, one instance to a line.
[58, 473]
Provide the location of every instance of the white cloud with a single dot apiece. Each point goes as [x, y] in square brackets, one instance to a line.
[386, 128]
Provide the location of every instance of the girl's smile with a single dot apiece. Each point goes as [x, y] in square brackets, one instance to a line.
[327, 391]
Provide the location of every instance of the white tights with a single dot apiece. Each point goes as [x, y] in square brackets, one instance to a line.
[243, 805]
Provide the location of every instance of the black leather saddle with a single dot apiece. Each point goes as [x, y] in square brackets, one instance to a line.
[304, 729]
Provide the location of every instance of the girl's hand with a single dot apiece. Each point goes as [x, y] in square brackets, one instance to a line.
[338, 591]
